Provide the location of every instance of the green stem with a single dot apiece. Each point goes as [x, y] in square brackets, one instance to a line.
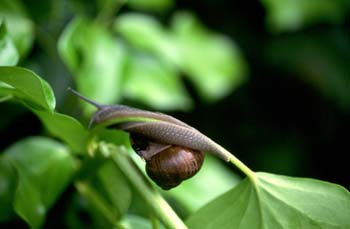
[155, 222]
[153, 198]
[241, 166]
[226, 155]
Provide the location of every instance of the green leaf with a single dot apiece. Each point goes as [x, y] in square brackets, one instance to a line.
[211, 61]
[34, 91]
[206, 179]
[155, 84]
[8, 52]
[66, 128]
[289, 15]
[155, 39]
[20, 28]
[44, 168]
[7, 188]
[151, 5]
[275, 201]
[29, 87]
[96, 59]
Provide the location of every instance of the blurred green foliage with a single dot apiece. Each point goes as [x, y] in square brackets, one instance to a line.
[19, 25]
[163, 55]
[43, 168]
[148, 69]
[8, 51]
[289, 15]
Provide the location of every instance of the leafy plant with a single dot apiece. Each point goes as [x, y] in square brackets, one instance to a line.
[260, 200]
[97, 167]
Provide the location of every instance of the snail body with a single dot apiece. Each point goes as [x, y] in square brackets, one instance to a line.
[172, 149]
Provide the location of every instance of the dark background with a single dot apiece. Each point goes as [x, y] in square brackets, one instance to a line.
[277, 122]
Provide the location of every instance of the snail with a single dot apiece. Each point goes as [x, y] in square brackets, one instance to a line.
[173, 150]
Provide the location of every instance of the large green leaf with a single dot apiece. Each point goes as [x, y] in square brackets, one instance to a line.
[284, 15]
[19, 25]
[8, 52]
[29, 87]
[96, 60]
[274, 201]
[211, 61]
[44, 168]
[155, 84]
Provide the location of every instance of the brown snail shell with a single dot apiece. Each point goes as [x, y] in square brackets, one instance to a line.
[173, 165]
[167, 165]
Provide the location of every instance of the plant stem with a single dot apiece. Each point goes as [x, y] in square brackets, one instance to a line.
[153, 198]
[245, 169]
[235, 161]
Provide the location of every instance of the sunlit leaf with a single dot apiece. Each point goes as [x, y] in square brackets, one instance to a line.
[155, 38]
[19, 25]
[155, 84]
[8, 52]
[96, 59]
[284, 15]
[274, 201]
[211, 61]
[44, 167]
[29, 87]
